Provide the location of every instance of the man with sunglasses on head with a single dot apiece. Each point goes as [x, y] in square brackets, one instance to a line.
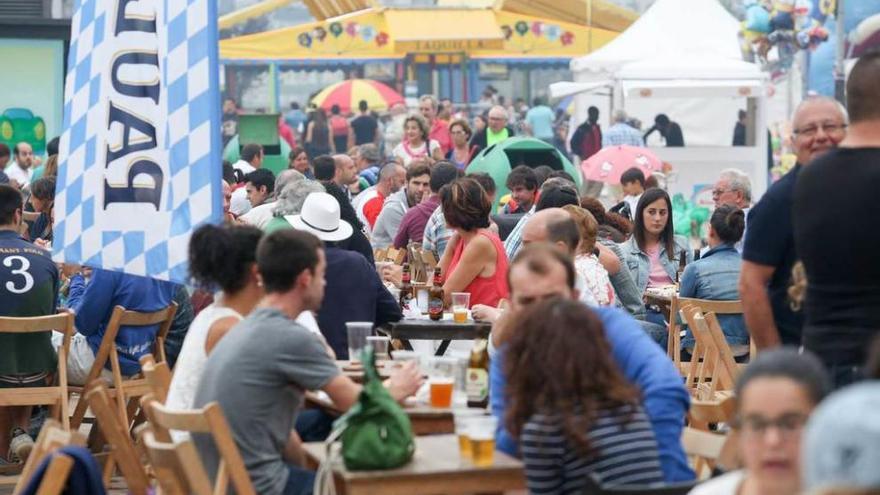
[819, 124]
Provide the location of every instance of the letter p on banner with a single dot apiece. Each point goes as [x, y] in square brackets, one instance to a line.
[139, 163]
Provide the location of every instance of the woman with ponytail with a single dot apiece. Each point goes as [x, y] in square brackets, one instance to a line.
[221, 258]
[716, 275]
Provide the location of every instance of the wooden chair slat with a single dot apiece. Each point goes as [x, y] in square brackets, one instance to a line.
[116, 432]
[209, 419]
[54, 396]
[52, 436]
[128, 388]
[177, 466]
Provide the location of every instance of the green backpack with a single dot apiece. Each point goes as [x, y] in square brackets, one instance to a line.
[376, 433]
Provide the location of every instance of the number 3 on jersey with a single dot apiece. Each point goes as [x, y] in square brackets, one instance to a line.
[20, 274]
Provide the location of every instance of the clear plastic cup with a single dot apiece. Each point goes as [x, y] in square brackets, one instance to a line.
[358, 331]
[462, 419]
[460, 304]
[481, 432]
[380, 344]
[442, 374]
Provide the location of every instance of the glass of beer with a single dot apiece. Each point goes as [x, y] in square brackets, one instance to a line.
[441, 380]
[460, 304]
[463, 418]
[482, 434]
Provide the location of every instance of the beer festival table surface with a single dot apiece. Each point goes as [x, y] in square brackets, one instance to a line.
[661, 297]
[445, 330]
[426, 420]
[436, 468]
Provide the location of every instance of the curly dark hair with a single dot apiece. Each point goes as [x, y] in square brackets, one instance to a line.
[558, 361]
[220, 255]
[465, 205]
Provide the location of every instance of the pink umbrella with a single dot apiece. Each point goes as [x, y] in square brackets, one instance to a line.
[610, 163]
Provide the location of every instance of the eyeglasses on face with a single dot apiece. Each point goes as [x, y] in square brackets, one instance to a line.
[813, 129]
[787, 425]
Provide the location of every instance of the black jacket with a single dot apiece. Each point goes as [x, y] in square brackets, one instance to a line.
[480, 139]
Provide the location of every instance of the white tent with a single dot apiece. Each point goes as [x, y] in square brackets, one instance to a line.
[682, 58]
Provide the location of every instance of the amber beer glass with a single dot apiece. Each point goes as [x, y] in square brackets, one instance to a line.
[460, 303]
[441, 391]
[482, 435]
[463, 419]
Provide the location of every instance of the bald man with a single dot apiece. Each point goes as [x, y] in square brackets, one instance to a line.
[818, 125]
[841, 318]
[497, 130]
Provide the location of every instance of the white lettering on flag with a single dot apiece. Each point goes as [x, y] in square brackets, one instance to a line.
[140, 153]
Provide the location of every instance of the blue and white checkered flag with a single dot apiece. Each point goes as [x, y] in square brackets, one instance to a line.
[141, 151]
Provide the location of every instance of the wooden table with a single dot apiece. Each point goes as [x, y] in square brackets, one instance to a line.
[662, 298]
[443, 330]
[436, 468]
[426, 420]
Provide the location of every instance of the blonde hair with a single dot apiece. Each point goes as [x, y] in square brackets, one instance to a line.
[587, 226]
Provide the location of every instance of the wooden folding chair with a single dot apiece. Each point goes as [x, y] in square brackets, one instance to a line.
[704, 448]
[706, 373]
[130, 388]
[158, 376]
[673, 344]
[177, 466]
[725, 354]
[52, 437]
[208, 420]
[123, 452]
[55, 396]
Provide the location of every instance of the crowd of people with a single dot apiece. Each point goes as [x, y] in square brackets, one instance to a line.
[580, 378]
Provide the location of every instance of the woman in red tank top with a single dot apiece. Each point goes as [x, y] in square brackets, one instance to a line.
[474, 260]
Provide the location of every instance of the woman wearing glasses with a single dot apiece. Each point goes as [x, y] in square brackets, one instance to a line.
[775, 396]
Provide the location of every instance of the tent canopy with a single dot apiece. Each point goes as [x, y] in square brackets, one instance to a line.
[383, 34]
[687, 31]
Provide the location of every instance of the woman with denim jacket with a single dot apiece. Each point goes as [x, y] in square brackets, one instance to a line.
[653, 251]
[716, 275]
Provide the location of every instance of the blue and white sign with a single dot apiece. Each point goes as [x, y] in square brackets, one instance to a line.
[141, 151]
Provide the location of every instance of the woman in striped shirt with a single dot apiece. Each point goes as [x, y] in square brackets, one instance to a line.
[577, 418]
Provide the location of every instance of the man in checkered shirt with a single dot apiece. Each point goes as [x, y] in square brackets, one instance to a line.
[621, 133]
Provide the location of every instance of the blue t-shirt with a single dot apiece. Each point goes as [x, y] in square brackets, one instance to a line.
[94, 303]
[540, 119]
[644, 364]
[770, 242]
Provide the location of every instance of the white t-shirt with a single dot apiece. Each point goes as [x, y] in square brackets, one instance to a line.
[726, 484]
[20, 175]
[407, 154]
[259, 216]
[244, 166]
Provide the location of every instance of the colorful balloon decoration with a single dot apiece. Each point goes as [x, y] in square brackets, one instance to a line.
[335, 29]
[773, 31]
[521, 27]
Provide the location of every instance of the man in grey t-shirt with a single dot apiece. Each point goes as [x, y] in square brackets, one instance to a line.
[260, 370]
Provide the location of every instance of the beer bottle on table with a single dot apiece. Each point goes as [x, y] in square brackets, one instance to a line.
[406, 289]
[477, 382]
[682, 262]
[435, 297]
